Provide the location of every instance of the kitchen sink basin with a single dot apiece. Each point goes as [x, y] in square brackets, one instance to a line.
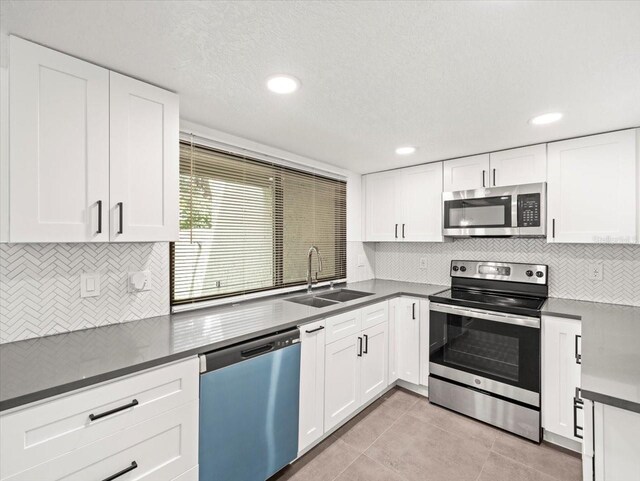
[313, 301]
[343, 295]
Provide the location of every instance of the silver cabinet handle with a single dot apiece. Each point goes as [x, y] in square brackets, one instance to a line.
[396, 231]
[483, 183]
[494, 177]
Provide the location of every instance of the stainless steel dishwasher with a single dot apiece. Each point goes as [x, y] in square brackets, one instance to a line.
[249, 408]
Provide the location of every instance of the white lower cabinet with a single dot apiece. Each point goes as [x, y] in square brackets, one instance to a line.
[407, 325]
[161, 448]
[424, 342]
[342, 380]
[611, 443]
[561, 344]
[356, 366]
[375, 361]
[150, 418]
[311, 423]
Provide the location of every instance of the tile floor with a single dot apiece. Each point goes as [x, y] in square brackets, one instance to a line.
[401, 437]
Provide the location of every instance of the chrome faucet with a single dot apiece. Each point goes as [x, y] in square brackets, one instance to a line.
[309, 277]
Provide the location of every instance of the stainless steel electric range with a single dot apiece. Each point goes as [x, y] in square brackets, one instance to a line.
[484, 344]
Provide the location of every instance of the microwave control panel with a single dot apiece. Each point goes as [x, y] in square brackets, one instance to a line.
[529, 210]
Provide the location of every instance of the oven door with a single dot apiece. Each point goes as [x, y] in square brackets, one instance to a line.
[490, 351]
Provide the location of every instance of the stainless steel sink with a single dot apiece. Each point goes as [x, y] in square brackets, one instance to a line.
[343, 295]
[329, 298]
[313, 301]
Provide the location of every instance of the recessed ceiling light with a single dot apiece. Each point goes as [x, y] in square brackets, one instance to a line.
[407, 150]
[283, 84]
[546, 118]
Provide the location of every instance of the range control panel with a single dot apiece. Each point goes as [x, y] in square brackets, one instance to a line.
[502, 271]
[529, 210]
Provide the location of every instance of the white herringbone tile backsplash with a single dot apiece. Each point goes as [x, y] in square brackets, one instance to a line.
[40, 286]
[568, 264]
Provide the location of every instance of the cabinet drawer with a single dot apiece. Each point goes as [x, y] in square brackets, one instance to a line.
[37, 434]
[375, 314]
[162, 448]
[343, 325]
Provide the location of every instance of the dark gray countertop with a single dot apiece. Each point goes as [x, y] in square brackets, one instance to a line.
[39, 368]
[610, 350]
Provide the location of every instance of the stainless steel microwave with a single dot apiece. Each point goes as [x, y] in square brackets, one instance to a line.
[514, 210]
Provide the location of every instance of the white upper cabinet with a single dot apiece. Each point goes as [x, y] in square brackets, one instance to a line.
[404, 204]
[58, 147]
[144, 161]
[87, 148]
[593, 189]
[381, 211]
[525, 165]
[420, 191]
[466, 173]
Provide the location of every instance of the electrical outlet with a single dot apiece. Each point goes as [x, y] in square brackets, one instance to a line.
[361, 260]
[423, 263]
[595, 272]
[89, 284]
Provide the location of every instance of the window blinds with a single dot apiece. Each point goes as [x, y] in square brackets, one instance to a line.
[247, 225]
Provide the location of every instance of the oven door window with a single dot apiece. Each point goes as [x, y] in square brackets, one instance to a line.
[484, 212]
[507, 353]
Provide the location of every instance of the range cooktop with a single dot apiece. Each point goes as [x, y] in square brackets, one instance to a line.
[497, 286]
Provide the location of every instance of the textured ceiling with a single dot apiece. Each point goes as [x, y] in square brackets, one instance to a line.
[453, 78]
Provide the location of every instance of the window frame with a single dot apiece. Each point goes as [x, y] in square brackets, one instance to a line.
[278, 287]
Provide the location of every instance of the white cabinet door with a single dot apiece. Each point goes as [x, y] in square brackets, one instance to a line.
[424, 342]
[394, 312]
[342, 380]
[617, 443]
[561, 344]
[59, 147]
[311, 426]
[592, 189]
[381, 209]
[466, 173]
[408, 340]
[525, 165]
[420, 193]
[374, 361]
[144, 161]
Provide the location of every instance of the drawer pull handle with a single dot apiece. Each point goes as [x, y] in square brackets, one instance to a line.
[93, 417]
[366, 344]
[315, 330]
[126, 470]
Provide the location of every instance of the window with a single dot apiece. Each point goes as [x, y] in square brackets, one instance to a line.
[247, 225]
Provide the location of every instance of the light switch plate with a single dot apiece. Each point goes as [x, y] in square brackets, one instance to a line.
[139, 281]
[595, 272]
[89, 284]
[361, 260]
[423, 263]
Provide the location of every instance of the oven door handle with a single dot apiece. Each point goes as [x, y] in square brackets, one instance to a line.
[525, 321]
